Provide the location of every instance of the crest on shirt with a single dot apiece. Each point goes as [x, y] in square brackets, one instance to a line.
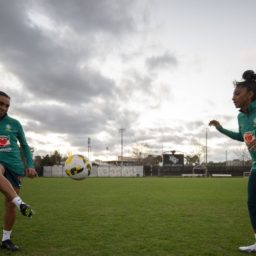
[249, 137]
[8, 128]
[4, 141]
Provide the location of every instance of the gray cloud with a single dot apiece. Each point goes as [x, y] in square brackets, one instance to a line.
[62, 93]
[163, 61]
[47, 70]
[91, 16]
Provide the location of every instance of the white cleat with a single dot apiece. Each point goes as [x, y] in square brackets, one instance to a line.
[250, 248]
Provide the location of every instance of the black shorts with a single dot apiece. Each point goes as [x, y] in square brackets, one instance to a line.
[13, 178]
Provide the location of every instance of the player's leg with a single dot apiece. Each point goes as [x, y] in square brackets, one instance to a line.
[10, 213]
[251, 209]
[10, 210]
[9, 220]
[9, 181]
[5, 186]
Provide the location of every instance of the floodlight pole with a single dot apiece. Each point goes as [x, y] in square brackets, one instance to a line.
[122, 144]
[107, 150]
[206, 149]
[89, 144]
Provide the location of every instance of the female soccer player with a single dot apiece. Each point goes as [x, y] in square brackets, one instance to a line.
[244, 98]
[12, 169]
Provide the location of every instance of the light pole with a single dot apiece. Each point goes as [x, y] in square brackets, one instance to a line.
[122, 144]
[206, 149]
[107, 151]
[89, 145]
[206, 152]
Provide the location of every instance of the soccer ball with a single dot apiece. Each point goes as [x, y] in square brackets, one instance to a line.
[77, 167]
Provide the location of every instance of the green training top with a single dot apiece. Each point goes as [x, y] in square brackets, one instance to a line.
[247, 129]
[11, 132]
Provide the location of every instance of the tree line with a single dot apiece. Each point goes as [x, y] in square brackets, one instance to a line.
[49, 160]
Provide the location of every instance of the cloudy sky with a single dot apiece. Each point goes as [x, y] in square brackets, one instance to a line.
[160, 69]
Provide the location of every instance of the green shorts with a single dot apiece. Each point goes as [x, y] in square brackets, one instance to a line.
[13, 178]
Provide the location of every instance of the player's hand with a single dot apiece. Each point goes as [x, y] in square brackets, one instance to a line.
[31, 173]
[214, 123]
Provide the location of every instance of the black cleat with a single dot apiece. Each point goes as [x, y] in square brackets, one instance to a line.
[26, 210]
[8, 244]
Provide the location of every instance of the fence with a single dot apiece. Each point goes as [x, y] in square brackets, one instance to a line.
[181, 170]
[54, 171]
[98, 171]
[140, 171]
[117, 171]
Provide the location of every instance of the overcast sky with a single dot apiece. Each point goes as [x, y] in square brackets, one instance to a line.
[159, 69]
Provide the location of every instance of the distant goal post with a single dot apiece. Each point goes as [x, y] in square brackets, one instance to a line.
[246, 174]
[200, 169]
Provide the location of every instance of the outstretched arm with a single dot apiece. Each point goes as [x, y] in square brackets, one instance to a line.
[233, 135]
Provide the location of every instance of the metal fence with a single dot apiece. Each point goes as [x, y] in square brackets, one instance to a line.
[98, 171]
[181, 170]
[140, 171]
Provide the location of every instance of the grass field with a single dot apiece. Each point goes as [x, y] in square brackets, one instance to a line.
[134, 216]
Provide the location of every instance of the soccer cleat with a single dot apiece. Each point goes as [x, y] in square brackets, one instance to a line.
[26, 210]
[250, 248]
[8, 244]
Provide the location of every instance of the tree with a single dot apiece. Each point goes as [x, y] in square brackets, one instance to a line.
[140, 150]
[191, 160]
[55, 158]
[50, 160]
[243, 154]
[152, 160]
[46, 161]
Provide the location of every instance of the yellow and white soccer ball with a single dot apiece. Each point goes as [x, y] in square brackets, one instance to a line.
[77, 167]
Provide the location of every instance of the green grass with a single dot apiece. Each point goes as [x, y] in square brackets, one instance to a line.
[134, 216]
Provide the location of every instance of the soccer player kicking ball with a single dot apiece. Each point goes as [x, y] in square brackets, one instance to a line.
[244, 98]
[12, 169]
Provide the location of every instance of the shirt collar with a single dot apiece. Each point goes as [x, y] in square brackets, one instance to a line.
[251, 107]
[3, 117]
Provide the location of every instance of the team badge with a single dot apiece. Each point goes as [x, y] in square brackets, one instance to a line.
[8, 128]
[4, 141]
[249, 137]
